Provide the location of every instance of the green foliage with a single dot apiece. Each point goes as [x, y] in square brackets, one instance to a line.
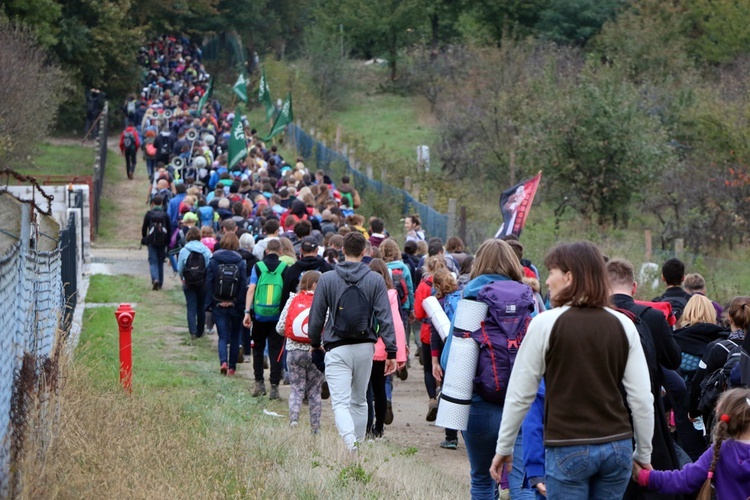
[603, 147]
[648, 40]
[721, 28]
[575, 21]
[514, 18]
[41, 15]
[328, 68]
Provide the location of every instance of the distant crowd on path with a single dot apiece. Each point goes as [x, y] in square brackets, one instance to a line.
[575, 392]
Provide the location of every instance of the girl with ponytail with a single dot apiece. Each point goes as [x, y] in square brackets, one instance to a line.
[724, 469]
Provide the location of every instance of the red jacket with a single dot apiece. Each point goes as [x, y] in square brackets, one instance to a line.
[423, 291]
[133, 131]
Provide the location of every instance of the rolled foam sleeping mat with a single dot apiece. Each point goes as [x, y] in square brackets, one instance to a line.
[469, 315]
[436, 314]
[458, 384]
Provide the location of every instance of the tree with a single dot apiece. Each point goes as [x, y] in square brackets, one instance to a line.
[575, 21]
[721, 28]
[377, 26]
[30, 90]
[603, 147]
[42, 16]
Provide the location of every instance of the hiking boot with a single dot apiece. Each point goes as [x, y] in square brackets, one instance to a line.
[403, 373]
[325, 393]
[388, 413]
[450, 444]
[224, 368]
[241, 355]
[432, 407]
[260, 389]
[274, 392]
[154, 285]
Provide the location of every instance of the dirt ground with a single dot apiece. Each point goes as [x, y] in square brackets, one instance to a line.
[409, 428]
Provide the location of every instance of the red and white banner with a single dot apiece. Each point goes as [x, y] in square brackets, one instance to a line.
[515, 204]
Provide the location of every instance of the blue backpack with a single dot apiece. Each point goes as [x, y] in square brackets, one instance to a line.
[511, 307]
[450, 303]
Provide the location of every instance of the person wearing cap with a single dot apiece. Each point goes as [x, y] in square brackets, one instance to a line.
[310, 261]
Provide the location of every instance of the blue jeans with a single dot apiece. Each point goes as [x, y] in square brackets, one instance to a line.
[599, 471]
[228, 321]
[195, 299]
[515, 478]
[156, 257]
[480, 438]
[389, 387]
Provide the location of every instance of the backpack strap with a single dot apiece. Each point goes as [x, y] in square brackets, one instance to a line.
[262, 266]
[639, 309]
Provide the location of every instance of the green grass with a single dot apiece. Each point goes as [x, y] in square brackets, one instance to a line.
[386, 123]
[62, 160]
[104, 289]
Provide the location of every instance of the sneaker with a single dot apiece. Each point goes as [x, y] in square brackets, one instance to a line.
[376, 433]
[293, 423]
[274, 392]
[260, 389]
[388, 413]
[241, 355]
[432, 407]
[230, 372]
[224, 369]
[403, 373]
[450, 444]
[421, 361]
[325, 393]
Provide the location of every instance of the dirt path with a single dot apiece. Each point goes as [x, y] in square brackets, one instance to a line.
[409, 428]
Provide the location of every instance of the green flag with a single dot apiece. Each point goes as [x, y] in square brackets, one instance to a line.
[240, 88]
[206, 96]
[284, 118]
[264, 95]
[237, 142]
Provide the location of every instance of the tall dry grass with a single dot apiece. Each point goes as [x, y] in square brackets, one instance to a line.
[148, 445]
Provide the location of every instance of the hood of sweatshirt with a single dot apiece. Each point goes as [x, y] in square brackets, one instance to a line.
[695, 338]
[472, 287]
[227, 257]
[310, 262]
[195, 246]
[352, 271]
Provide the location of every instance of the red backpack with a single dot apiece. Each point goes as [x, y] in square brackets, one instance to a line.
[297, 316]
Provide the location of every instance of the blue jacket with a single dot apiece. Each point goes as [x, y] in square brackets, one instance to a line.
[192, 246]
[226, 257]
[397, 264]
[533, 439]
[173, 209]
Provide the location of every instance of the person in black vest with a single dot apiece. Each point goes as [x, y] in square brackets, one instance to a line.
[673, 274]
[310, 261]
[265, 330]
[661, 350]
[155, 233]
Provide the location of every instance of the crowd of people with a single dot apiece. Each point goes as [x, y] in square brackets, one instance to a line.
[576, 391]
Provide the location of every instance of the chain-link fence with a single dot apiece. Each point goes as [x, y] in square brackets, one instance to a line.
[386, 199]
[99, 164]
[31, 291]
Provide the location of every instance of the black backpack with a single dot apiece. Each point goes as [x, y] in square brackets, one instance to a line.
[129, 141]
[718, 381]
[226, 282]
[157, 234]
[678, 304]
[195, 270]
[353, 316]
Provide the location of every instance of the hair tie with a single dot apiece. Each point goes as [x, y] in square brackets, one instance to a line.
[724, 418]
[710, 474]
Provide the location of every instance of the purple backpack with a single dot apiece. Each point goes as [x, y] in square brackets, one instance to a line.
[511, 305]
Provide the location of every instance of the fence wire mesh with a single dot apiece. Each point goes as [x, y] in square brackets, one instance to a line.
[337, 164]
[31, 290]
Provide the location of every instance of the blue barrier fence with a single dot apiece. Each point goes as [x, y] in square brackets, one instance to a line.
[333, 162]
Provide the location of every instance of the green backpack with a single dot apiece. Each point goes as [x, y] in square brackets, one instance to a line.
[267, 300]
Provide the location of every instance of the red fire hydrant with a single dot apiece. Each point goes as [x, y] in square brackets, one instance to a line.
[125, 315]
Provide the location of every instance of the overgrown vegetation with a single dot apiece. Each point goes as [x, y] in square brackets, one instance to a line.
[187, 432]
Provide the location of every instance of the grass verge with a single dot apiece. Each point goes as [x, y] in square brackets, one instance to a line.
[187, 432]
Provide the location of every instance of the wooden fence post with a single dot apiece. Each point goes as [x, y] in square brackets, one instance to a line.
[338, 137]
[649, 243]
[462, 225]
[679, 247]
[407, 184]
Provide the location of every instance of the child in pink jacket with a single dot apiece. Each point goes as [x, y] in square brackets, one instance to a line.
[377, 376]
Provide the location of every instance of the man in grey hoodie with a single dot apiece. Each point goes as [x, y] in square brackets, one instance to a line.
[348, 360]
